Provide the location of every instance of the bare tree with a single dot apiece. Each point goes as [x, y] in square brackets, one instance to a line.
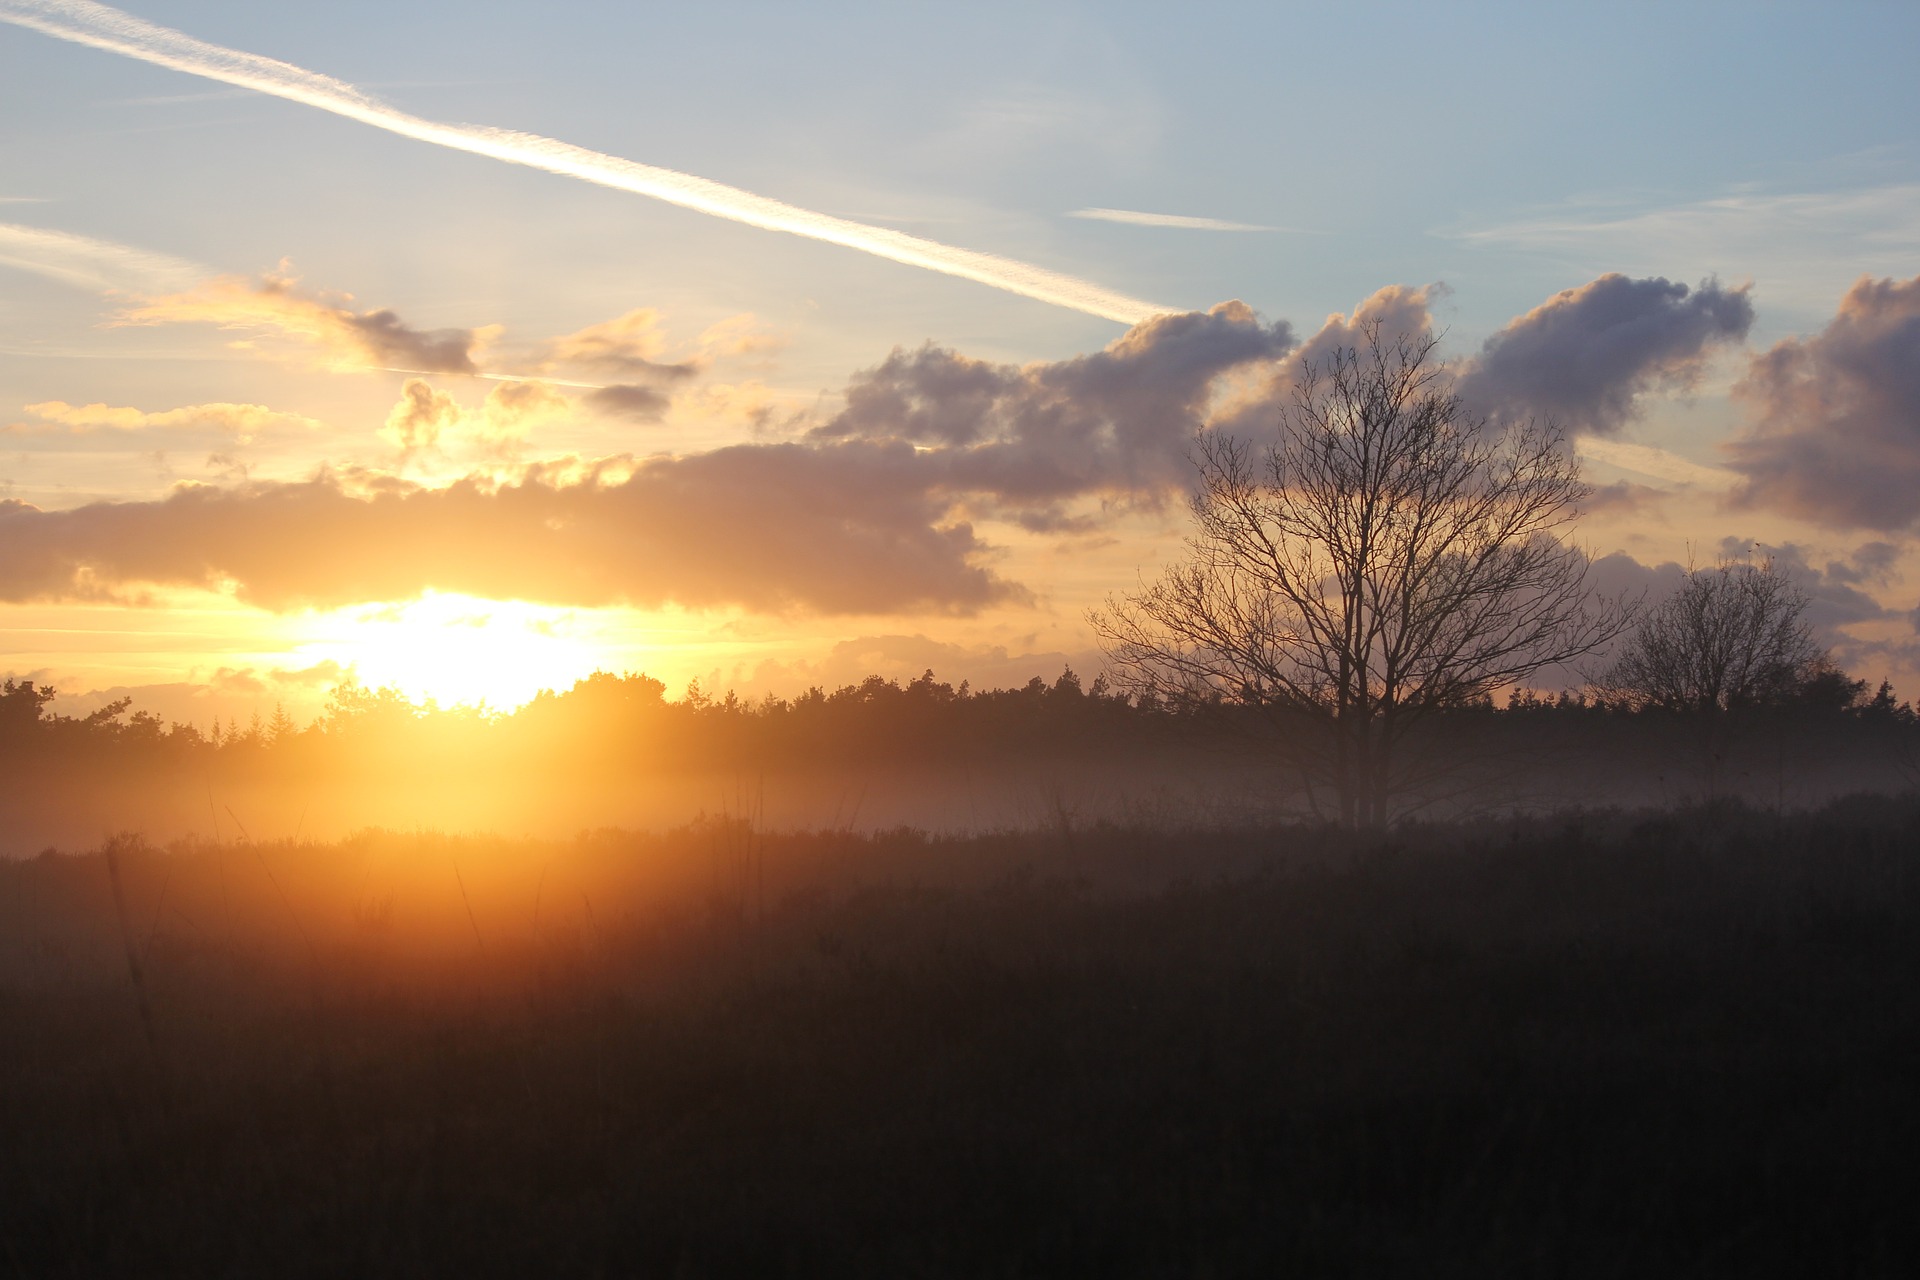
[1732, 640]
[1734, 635]
[1388, 558]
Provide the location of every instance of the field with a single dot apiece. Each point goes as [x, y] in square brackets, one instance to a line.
[1587, 1044]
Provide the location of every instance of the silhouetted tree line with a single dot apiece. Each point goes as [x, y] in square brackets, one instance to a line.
[627, 718]
[609, 725]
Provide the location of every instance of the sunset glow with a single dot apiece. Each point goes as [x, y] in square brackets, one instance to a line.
[458, 649]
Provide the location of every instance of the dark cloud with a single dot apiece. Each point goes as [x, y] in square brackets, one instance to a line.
[1623, 498]
[642, 404]
[933, 395]
[1023, 442]
[858, 527]
[1621, 575]
[390, 342]
[1836, 417]
[1835, 600]
[1873, 563]
[1115, 421]
[1585, 356]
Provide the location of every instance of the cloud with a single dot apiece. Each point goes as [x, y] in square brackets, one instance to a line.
[324, 672]
[416, 423]
[241, 421]
[427, 420]
[101, 27]
[866, 513]
[1399, 311]
[629, 345]
[514, 409]
[1586, 356]
[1115, 421]
[749, 402]
[1132, 217]
[1836, 600]
[632, 348]
[237, 680]
[626, 400]
[100, 266]
[1835, 432]
[350, 339]
[853, 528]
[1623, 498]
[739, 335]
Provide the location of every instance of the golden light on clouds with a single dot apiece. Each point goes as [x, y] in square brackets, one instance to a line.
[241, 421]
[274, 313]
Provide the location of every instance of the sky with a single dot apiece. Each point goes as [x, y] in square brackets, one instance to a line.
[473, 348]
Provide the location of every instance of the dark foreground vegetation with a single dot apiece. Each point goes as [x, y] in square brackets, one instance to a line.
[1600, 1044]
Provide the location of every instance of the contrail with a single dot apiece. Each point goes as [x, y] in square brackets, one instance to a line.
[1133, 217]
[101, 27]
[1651, 461]
[99, 265]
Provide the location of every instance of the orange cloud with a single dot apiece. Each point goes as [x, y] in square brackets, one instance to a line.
[512, 409]
[347, 339]
[241, 421]
[426, 417]
[416, 423]
[630, 345]
[855, 528]
[739, 335]
[749, 402]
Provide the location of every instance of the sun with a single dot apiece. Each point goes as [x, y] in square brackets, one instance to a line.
[457, 649]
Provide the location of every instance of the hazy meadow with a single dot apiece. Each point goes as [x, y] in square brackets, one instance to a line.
[1601, 1043]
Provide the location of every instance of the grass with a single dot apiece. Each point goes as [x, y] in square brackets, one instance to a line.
[1591, 1045]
